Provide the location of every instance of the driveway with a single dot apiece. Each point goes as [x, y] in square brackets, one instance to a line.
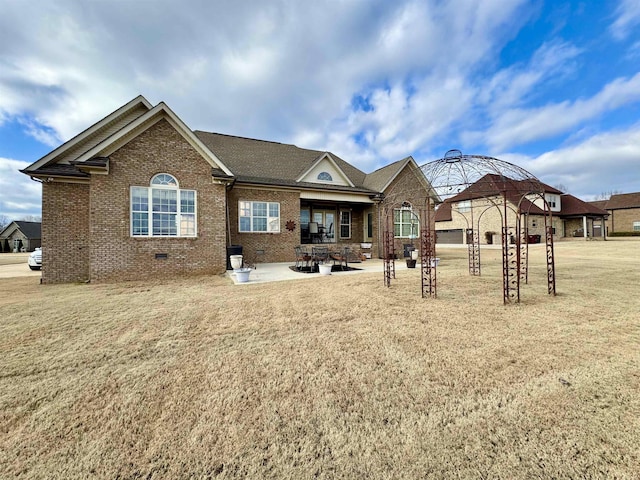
[15, 265]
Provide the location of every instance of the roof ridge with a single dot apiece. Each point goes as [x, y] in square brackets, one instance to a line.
[389, 165]
[256, 140]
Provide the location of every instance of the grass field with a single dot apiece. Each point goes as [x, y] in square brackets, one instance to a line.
[331, 377]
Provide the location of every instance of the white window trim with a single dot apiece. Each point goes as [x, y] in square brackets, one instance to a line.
[636, 226]
[345, 224]
[414, 233]
[464, 206]
[327, 174]
[271, 221]
[178, 214]
[553, 201]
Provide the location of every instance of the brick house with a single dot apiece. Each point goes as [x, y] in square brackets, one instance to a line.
[140, 195]
[483, 203]
[624, 212]
[20, 236]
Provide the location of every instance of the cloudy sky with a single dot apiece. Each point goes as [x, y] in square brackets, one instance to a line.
[553, 86]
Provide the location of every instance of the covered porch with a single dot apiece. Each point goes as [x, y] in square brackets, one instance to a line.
[336, 224]
[585, 227]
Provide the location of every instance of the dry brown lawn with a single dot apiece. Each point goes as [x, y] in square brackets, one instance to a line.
[331, 377]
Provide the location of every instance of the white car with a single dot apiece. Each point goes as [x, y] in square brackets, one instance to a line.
[35, 259]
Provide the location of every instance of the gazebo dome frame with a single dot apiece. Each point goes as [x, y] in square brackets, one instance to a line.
[486, 183]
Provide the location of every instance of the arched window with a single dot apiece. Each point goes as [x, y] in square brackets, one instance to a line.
[405, 222]
[325, 177]
[163, 209]
[164, 179]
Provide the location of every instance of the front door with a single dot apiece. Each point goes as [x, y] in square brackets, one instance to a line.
[597, 230]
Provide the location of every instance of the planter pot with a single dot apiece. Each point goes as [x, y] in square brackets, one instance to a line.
[414, 255]
[236, 262]
[242, 274]
[411, 263]
[325, 268]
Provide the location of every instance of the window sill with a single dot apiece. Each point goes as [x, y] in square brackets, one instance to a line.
[137, 237]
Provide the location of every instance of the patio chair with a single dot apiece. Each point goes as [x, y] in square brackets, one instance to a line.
[319, 254]
[302, 257]
[329, 233]
[342, 258]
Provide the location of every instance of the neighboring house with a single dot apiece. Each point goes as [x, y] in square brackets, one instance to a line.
[20, 236]
[140, 195]
[481, 206]
[624, 212]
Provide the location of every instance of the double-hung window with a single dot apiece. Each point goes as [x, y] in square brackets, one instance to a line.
[345, 224]
[259, 217]
[163, 209]
[405, 222]
[636, 226]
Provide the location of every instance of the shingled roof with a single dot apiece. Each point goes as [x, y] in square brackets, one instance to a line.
[493, 185]
[261, 161]
[601, 204]
[380, 178]
[624, 200]
[31, 230]
[573, 206]
[232, 158]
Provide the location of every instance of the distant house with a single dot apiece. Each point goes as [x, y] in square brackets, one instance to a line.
[624, 212]
[20, 236]
[481, 204]
[140, 195]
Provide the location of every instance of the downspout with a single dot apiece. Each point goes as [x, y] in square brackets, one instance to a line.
[228, 186]
[378, 199]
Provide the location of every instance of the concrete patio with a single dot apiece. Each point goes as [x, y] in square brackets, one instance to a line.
[274, 272]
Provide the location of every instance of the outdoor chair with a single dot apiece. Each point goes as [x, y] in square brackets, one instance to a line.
[319, 255]
[329, 233]
[342, 258]
[302, 257]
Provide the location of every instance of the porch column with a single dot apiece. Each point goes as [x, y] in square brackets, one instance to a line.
[584, 226]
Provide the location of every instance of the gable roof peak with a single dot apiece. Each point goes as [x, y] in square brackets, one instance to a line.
[95, 133]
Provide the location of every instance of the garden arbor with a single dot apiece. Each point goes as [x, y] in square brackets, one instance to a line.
[476, 187]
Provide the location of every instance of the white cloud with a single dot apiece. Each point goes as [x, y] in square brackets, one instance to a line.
[265, 70]
[289, 71]
[601, 163]
[522, 125]
[627, 16]
[516, 84]
[21, 196]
